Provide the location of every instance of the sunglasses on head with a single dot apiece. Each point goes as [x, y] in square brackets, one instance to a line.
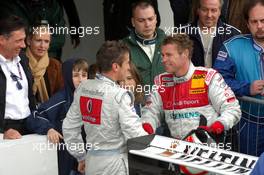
[15, 78]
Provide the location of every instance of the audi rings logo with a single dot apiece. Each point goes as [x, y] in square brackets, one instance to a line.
[89, 105]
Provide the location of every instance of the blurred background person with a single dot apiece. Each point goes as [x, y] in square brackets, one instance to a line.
[144, 41]
[132, 82]
[46, 71]
[208, 32]
[51, 12]
[241, 62]
[49, 116]
[117, 15]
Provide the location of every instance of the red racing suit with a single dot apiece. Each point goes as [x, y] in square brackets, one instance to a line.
[181, 101]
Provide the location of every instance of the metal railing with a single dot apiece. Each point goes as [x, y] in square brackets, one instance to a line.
[251, 126]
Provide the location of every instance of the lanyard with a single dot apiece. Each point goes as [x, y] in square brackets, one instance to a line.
[19, 71]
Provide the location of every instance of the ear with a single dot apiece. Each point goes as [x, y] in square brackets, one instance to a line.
[247, 25]
[115, 67]
[1, 40]
[156, 18]
[133, 21]
[186, 53]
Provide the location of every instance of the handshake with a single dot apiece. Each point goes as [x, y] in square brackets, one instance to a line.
[216, 128]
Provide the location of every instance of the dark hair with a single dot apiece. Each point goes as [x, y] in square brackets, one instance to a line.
[250, 4]
[142, 4]
[182, 41]
[110, 52]
[92, 70]
[10, 24]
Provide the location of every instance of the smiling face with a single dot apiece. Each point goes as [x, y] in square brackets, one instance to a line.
[12, 44]
[144, 20]
[256, 22]
[39, 43]
[175, 61]
[209, 13]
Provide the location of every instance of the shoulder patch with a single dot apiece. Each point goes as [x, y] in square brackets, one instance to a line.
[221, 56]
[210, 74]
[163, 79]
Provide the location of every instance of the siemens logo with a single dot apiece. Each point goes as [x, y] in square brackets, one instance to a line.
[176, 116]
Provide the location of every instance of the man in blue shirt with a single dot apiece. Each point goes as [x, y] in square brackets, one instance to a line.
[241, 62]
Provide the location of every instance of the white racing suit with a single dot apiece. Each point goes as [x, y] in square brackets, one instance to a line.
[109, 119]
[181, 101]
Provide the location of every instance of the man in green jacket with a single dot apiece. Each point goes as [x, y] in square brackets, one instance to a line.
[144, 41]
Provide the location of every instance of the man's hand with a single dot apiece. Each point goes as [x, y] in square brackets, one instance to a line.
[216, 128]
[148, 128]
[54, 136]
[81, 166]
[257, 87]
[12, 134]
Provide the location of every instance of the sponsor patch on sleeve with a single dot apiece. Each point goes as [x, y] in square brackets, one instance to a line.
[221, 55]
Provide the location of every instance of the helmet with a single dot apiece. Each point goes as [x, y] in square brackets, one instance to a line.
[200, 136]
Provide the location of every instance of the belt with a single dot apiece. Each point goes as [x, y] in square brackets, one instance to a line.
[105, 152]
[11, 121]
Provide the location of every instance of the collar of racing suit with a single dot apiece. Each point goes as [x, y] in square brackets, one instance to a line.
[187, 76]
[106, 79]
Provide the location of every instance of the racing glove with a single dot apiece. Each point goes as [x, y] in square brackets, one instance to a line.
[148, 128]
[216, 128]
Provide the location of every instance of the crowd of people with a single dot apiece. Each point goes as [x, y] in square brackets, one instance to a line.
[145, 83]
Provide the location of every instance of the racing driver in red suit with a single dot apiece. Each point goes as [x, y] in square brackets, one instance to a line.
[186, 92]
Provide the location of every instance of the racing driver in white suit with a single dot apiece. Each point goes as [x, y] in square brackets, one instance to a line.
[185, 92]
[107, 113]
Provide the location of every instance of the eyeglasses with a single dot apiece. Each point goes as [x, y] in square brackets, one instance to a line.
[15, 78]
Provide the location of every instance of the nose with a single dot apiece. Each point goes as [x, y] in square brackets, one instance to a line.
[147, 23]
[259, 24]
[23, 45]
[209, 14]
[41, 44]
[164, 59]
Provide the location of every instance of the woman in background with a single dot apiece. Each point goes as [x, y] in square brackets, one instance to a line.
[46, 71]
[132, 82]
